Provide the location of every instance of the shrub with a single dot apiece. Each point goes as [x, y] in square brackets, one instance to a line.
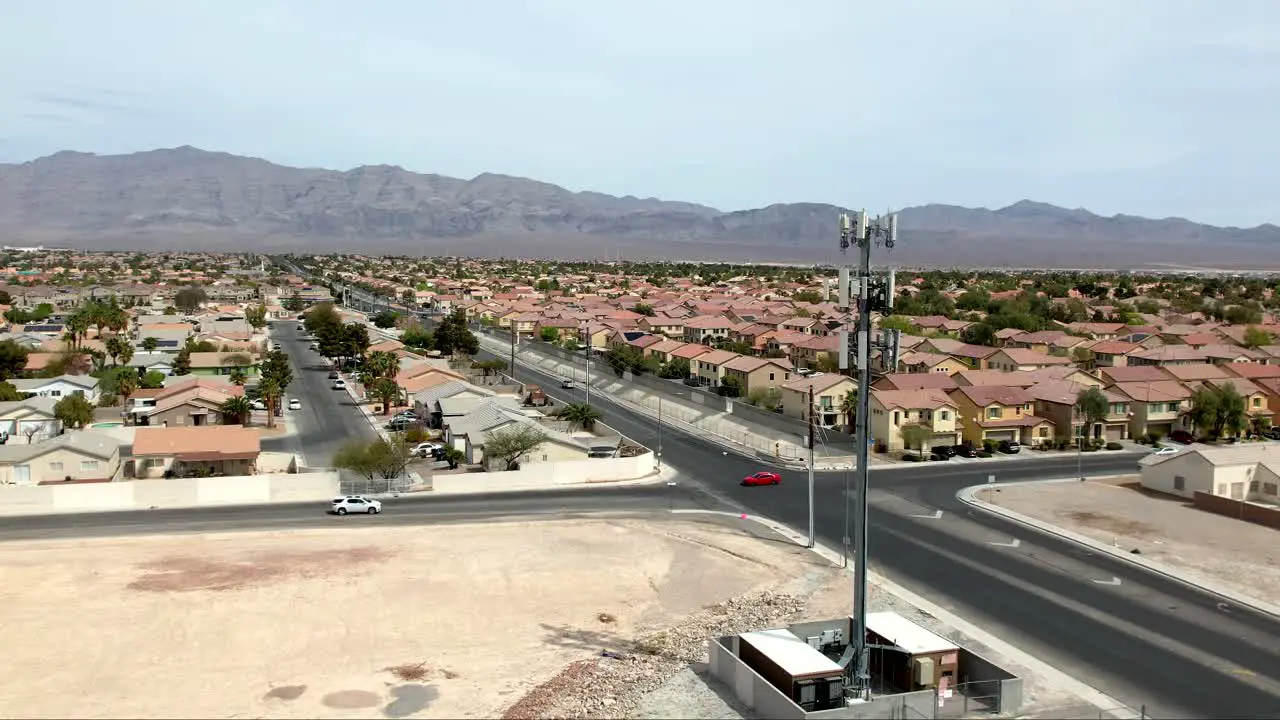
[1114, 446]
[989, 446]
[1090, 448]
[910, 457]
[984, 453]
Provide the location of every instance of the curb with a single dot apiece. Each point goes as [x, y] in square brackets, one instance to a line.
[968, 497]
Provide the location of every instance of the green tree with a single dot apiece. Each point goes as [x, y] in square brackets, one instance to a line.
[8, 393]
[452, 337]
[914, 436]
[453, 456]
[643, 309]
[150, 344]
[549, 334]
[898, 322]
[277, 376]
[385, 319]
[13, 359]
[980, 334]
[730, 387]
[74, 411]
[1256, 337]
[182, 362]
[579, 415]
[1218, 409]
[294, 303]
[415, 336]
[153, 379]
[509, 444]
[1091, 408]
[256, 316]
[674, 369]
[849, 408]
[489, 367]
[355, 456]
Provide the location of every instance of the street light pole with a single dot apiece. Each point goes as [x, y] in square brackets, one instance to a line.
[813, 539]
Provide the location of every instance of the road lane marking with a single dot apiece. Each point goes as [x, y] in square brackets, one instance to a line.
[1011, 544]
[1113, 581]
[937, 515]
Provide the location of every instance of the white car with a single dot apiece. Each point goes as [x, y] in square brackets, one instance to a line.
[426, 449]
[295, 404]
[566, 383]
[258, 405]
[1166, 450]
[339, 384]
[354, 504]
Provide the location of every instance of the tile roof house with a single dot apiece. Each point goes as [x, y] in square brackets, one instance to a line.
[996, 413]
[891, 410]
[226, 450]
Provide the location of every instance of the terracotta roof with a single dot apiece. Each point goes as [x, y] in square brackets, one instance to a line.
[913, 399]
[210, 441]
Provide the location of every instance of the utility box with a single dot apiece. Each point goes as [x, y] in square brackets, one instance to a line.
[916, 658]
[812, 680]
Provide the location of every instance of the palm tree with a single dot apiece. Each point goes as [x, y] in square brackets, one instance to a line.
[77, 328]
[237, 410]
[378, 374]
[579, 415]
[239, 376]
[237, 361]
[126, 385]
[849, 406]
[270, 391]
[118, 349]
[150, 344]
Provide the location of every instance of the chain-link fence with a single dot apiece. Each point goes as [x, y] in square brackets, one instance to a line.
[969, 699]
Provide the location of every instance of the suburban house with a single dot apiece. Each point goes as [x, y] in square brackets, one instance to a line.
[228, 450]
[1023, 360]
[811, 352]
[708, 368]
[927, 362]
[757, 374]
[829, 393]
[1045, 342]
[1167, 355]
[974, 356]
[469, 432]
[223, 363]
[1056, 402]
[59, 387]
[975, 378]
[661, 351]
[146, 362]
[915, 381]
[29, 421]
[1244, 472]
[73, 457]
[193, 403]
[561, 328]
[706, 329]
[1113, 353]
[430, 402]
[1157, 407]
[891, 410]
[662, 325]
[994, 412]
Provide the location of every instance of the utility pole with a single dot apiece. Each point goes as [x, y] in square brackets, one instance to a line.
[658, 457]
[860, 290]
[813, 539]
[587, 384]
[513, 329]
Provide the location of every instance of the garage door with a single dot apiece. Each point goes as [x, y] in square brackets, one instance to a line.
[998, 435]
[1114, 432]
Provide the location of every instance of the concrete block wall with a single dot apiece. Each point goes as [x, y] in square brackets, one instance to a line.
[170, 493]
[551, 474]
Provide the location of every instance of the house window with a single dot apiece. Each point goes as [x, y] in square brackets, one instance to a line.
[1268, 488]
[993, 413]
[897, 417]
[1171, 407]
[88, 465]
[1257, 402]
[55, 467]
[1179, 482]
[1237, 491]
[770, 377]
[1253, 486]
[1044, 432]
[944, 414]
[55, 393]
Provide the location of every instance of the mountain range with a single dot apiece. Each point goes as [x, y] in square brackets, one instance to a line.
[187, 198]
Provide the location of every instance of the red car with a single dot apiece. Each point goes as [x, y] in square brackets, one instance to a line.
[762, 478]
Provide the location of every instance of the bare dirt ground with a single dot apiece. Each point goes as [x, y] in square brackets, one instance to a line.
[1165, 529]
[445, 621]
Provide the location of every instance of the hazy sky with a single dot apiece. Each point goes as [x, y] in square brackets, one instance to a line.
[1167, 107]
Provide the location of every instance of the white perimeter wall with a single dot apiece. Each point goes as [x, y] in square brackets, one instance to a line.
[175, 492]
[549, 474]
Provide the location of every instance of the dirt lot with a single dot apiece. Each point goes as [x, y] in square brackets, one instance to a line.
[1165, 529]
[447, 621]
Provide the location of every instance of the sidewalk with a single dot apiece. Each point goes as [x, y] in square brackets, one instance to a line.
[1163, 520]
[664, 476]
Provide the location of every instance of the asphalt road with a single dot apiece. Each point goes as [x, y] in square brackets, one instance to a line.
[1146, 641]
[328, 417]
[1143, 639]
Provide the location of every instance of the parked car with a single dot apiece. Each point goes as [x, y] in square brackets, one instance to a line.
[302, 328]
[258, 405]
[354, 504]
[427, 449]
[1166, 450]
[942, 452]
[1182, 436]
[339, 385]
[1009, 447]
[409, 415]
[334, 374]
[762, 478]
[399, 424]
[965, 451]
[295, 404]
